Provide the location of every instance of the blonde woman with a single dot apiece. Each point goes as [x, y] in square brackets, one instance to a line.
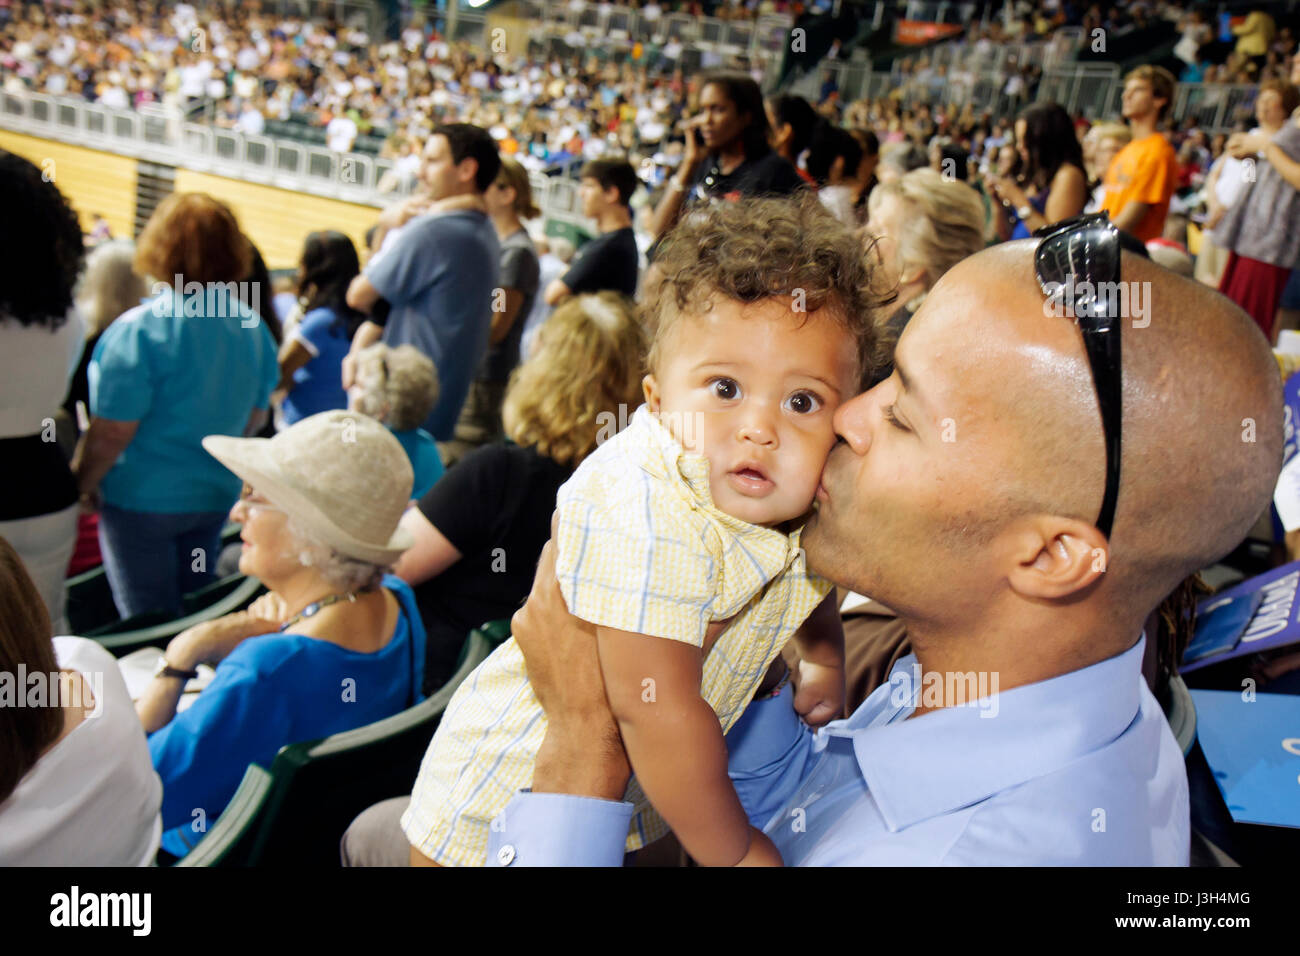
[923, 225]
[509, 202]
[479, 531]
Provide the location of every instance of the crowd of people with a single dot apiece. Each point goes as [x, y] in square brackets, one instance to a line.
[714, 425]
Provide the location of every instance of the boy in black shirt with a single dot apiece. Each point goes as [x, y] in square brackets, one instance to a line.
[611, 260]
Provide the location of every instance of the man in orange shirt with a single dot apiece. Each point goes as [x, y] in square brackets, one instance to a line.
[1142, 177]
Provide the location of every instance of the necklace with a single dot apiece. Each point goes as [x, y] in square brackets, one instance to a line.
[316, 607]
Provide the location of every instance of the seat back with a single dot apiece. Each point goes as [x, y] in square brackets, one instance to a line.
[230, 841]
[224, 597]
[318, 787]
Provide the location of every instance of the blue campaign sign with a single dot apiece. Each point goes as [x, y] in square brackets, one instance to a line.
[1253, 747]
[1256, 615]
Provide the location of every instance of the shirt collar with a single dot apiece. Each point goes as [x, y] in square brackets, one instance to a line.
[958, 756]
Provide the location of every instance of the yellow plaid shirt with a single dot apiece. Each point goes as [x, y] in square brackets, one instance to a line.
[640, 547]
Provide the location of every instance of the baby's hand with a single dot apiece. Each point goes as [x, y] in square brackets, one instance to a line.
[762, 851]
[819, 697]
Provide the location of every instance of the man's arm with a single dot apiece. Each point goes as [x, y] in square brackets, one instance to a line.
[1131, 215]
[362, 295]
[367, 334]
[557, 292]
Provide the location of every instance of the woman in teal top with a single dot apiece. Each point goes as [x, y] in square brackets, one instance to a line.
[191, 361]
[335, 645]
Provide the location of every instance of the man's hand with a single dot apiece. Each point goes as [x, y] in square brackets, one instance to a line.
[819, 693]
[582, 753]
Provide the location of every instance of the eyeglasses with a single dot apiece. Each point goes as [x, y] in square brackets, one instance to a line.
[1080, 258]
[251, 499]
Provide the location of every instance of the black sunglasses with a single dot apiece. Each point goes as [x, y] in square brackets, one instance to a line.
[1077, 264]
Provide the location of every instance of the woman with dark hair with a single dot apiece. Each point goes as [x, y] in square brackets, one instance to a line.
[1052, 184]
[192, 361]
[76, 782]
[728, 154]
[311, 359]
[41, 340]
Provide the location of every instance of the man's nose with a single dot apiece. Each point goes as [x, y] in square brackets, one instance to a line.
[853, 421]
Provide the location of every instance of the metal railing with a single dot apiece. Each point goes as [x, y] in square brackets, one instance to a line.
[350, 177]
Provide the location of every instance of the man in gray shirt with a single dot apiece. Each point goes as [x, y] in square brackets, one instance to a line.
[439, 274]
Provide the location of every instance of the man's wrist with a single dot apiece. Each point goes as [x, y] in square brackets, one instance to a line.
[567, 762]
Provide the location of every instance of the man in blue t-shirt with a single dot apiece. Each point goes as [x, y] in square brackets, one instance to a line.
[439, 273]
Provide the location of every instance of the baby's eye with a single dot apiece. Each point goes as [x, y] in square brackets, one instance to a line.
[804, 403]
[725, 388]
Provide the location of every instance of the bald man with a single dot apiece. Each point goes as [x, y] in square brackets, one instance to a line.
[1021, 732]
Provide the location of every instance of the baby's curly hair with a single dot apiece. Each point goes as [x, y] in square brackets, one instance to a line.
[753, 249]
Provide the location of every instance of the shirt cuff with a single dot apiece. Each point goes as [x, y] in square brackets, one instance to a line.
[557, 829]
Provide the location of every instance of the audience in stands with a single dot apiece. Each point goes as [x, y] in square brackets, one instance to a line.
[728, 154]
[76, 784]
[192, 361]
[509, 203]
[478, 532]
[336, 644]
[399, 387]
[439, 273]
[1142, 177]
[1051, 184]
[311, 356]
[1261, 231]
[611, 261]
[41, 339]
[923, 225]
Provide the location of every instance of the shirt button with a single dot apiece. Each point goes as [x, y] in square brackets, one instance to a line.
[506, 855]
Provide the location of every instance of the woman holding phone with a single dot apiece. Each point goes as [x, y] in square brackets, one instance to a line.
[728, 154]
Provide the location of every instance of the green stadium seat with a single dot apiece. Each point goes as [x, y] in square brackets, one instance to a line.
[230, 840]
[317, 788]
[146, 630]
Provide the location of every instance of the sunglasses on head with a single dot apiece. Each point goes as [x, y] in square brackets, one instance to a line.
[1080, 258]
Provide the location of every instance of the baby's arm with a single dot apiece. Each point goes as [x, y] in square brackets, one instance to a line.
[820, 641]
[675, 745]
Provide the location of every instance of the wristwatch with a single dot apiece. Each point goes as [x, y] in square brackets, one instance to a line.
[1024, 212]
[163, 669]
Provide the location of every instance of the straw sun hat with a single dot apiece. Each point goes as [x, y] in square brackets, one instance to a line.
[342, 477]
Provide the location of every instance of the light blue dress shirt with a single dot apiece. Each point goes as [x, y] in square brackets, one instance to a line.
[1078, 770]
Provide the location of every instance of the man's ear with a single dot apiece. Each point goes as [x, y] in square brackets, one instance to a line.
[1056, 557]
[651, 389]
[467, 169]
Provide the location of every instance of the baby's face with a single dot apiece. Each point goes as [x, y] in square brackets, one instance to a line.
[753, 387]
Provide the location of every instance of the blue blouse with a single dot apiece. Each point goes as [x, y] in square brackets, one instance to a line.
[272, 691]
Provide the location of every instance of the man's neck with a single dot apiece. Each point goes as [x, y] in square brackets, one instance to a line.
[613, 218]
[1142, 126]
[1004, 653]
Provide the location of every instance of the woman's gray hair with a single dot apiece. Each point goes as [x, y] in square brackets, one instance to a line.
[398, 386]
[109, 285]
[342, 572]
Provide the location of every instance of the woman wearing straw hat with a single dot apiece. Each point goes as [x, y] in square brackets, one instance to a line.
[336, 644]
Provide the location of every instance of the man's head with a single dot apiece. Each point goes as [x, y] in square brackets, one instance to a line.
[1148, 93]
[459, 158]
[970, 480]
[761, 325]
[606, 183]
